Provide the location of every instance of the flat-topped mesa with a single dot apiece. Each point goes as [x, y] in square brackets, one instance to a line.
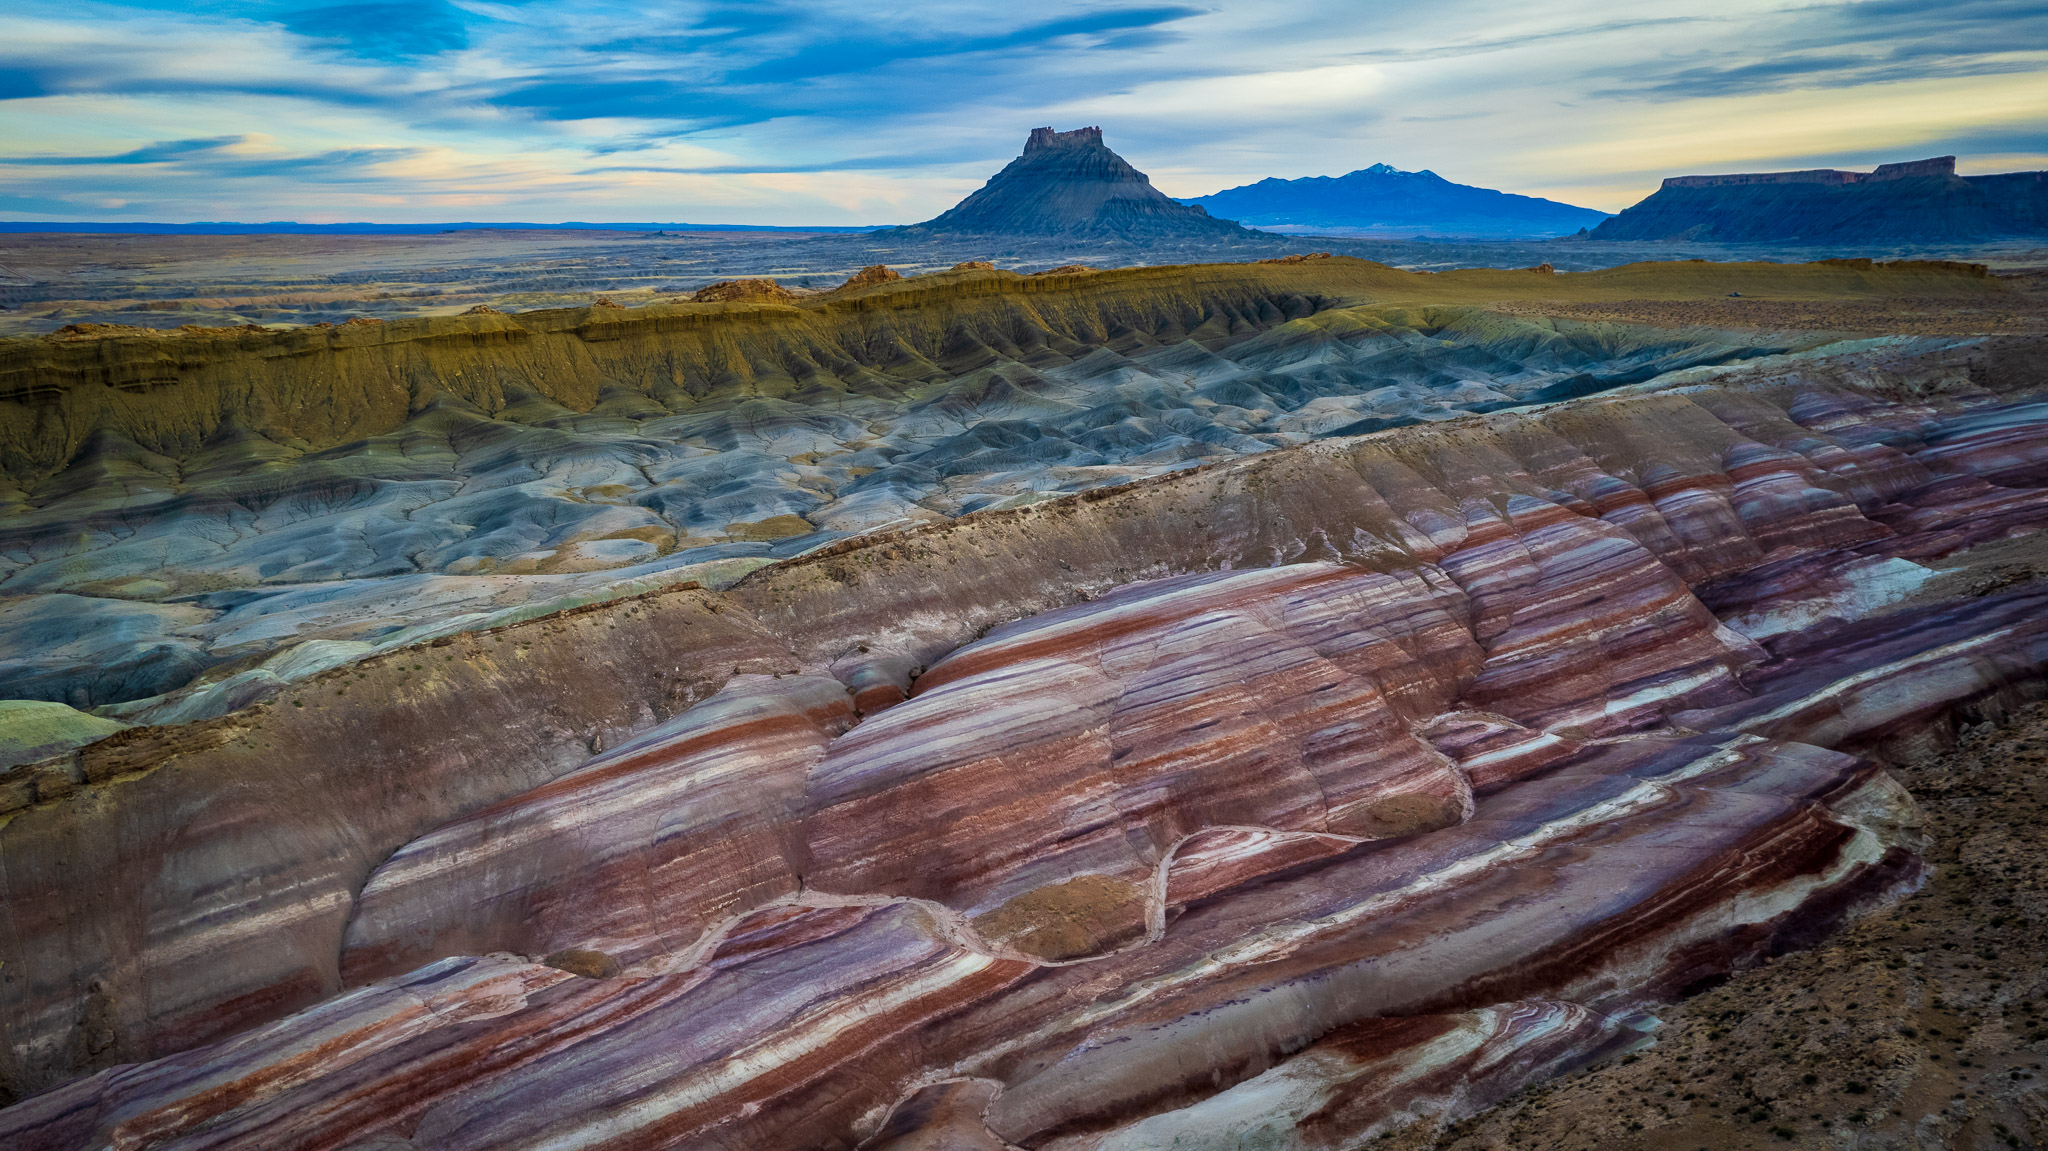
[1070, 183]
[1916, 201]
[1090, 137]
[1936, 166]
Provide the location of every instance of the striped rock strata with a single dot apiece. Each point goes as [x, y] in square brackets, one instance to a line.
[1469, 959]
[1041, 777]
[1153, 821]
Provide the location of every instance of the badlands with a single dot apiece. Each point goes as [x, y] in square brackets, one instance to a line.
[1285, 704]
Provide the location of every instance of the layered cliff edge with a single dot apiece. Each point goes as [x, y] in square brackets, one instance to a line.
[1920, 201]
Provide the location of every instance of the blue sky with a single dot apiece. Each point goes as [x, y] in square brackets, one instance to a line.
[831, 112]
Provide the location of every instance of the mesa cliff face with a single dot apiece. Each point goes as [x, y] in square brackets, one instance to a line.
[1274, 800]
[1916, 201]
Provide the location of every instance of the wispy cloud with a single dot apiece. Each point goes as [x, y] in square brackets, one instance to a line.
[842, 111]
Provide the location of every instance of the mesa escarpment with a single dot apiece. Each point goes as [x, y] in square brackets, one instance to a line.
[1378, 770]
[1919, 200]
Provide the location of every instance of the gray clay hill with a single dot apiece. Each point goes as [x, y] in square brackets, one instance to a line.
[1071, 184]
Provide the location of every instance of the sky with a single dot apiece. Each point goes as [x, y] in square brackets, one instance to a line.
[853, 112]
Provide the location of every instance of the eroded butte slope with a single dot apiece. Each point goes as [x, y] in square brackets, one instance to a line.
[1278, 803]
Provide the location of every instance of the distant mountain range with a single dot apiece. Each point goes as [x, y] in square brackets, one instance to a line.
[1070, 184]
[1917, 201]
[1385, 199]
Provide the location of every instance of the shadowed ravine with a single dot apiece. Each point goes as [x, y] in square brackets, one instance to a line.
[1342, 782]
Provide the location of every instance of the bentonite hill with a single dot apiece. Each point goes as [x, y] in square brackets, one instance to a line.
[1296, 704]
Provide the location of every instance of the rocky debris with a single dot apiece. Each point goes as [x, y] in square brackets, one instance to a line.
[1071, 184]
[483, 310]
[738, 290]
[974, 266]
[361, 322]
[1297, 258]
[872, 274]
[606, 302]
[93, 331]
[1066, 270]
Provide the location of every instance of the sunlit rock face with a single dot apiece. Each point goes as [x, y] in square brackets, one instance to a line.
[1277, 803]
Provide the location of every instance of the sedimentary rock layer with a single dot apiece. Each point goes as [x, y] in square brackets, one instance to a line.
[195, 508]
[1449, 746]
[873, 614]
[1919, 200]
[802, 1025]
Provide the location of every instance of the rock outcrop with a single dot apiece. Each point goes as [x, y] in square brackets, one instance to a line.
[1920, 201]
[1070, 184]
[883, 273]
[725, 291]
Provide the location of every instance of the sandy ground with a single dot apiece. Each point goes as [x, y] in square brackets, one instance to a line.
[1922, 1026]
